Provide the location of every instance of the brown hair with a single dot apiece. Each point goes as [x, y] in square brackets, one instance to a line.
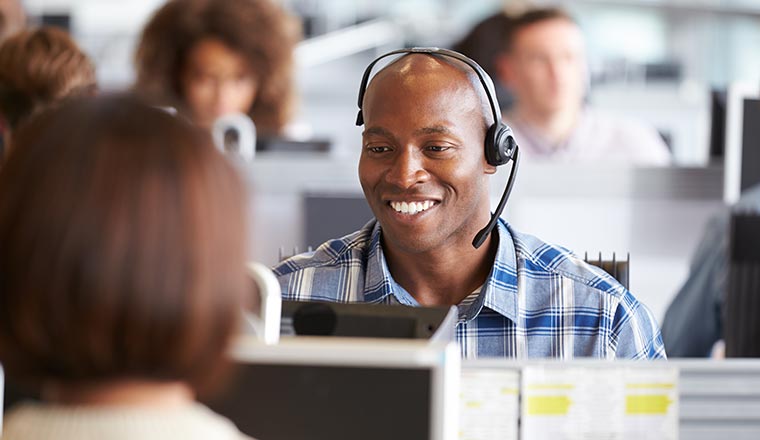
[531, 17]
[39, 67]
[122, 255]
[258, 29]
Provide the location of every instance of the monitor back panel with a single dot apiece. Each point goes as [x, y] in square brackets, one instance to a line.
[293, 402]
[750, 168]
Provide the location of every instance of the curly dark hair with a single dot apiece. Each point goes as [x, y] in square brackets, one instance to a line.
[39, 67]
[259, 30]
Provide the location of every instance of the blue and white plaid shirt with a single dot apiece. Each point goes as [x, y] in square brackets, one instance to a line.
[538, 301]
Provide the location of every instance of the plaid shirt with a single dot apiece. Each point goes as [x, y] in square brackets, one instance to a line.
[538, 301]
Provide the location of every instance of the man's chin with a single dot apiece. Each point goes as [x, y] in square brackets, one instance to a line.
[408, 241]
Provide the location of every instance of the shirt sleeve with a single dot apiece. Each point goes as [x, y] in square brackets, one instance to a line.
[692, 322]
[635, 333]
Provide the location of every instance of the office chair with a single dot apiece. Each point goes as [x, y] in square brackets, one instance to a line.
[618, 269]
[741, 326]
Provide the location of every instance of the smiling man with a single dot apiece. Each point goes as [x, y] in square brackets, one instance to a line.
[424, 172]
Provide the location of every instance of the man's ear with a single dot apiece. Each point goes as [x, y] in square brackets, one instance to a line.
[490, 169]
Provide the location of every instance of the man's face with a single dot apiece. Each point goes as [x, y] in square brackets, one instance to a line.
[422, 165]
[546, 67]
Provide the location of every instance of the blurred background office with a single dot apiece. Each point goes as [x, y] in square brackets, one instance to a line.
[666, 64]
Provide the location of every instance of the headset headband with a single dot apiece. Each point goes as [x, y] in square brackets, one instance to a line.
[485, 80]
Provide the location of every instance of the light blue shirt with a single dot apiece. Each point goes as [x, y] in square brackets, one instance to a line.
[538, 301]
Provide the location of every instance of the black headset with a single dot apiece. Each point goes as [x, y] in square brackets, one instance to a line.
[500, 144]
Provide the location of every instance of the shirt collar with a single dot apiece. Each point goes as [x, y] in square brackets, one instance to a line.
[377, 277]
[499, 292]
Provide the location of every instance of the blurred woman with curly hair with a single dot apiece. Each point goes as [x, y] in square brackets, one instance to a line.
[208, 58]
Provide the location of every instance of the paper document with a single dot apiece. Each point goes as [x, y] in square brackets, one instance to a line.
[488, 404]
[599, 403]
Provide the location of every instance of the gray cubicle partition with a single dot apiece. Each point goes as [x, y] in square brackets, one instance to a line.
[717, 398]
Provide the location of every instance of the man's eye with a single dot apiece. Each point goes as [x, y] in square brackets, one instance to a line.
[378, 149]
[437, 148]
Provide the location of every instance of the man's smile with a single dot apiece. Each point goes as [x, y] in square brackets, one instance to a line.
[412, 207]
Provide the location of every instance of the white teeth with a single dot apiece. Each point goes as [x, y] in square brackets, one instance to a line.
[411, 207]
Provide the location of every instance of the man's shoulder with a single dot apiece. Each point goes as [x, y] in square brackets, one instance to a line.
[593, 291]
[541, 258]
[336, 252]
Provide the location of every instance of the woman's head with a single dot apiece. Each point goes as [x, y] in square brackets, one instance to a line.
[39, 67]
[122, 257]
[212, 57]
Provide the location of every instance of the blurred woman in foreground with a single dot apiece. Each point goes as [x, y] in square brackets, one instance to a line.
[121, 272]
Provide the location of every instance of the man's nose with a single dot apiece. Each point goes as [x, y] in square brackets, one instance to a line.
[407, 169]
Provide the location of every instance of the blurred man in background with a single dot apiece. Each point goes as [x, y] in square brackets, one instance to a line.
[544, 67]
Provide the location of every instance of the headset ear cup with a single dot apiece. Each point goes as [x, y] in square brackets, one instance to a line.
[491, 149]
[499, 144]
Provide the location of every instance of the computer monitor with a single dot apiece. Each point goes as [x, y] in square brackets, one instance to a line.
[329, 215]
[741, 330]
[717, 145]
[293, 146]
[742, 163]
[320, 388]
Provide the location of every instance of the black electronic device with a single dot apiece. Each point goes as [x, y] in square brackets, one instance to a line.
[284, 145]
[717, 124]
[302, 318]
[500, 144]
[750, 161]
[741, 330]
[329, 214]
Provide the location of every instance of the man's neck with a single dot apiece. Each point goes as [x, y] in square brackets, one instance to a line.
[443, 276]
[555, 127]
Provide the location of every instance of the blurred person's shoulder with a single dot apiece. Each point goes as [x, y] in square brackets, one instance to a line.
[618, 137]
[37, 421]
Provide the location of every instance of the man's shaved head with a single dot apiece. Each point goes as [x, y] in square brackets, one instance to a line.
[452, 74]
